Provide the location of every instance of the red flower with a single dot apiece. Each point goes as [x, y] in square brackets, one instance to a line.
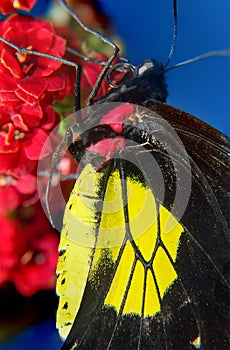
[17, 191]
[8, 257]
[26, 77]
[23, 132]
[29, 254]
[7, 6]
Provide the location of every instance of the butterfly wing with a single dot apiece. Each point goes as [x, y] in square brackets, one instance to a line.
[208, 149]
[144, 288]
[125, 282]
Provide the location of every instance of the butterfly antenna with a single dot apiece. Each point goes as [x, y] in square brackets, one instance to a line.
[174, 38]
[101, 76]
[222, 53]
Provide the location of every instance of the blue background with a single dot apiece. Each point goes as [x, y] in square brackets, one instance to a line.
[201, 88]
[41, 336]
[146, 26]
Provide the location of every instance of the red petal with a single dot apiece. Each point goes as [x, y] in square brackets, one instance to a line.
[24, 165]
[7, 83]
[8, 144]
[59, 46]
[11, 63]
[19, 123]
[49, 118]
[31, 114]
[9, 198]
[17, 164]
[34, 145]
[40, 37]
[56, 83]
[24, 5]
[33, 86]
[26, 184]
[8, 161]
[6, 7]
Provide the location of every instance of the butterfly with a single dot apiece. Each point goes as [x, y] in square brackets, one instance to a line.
[144, 245]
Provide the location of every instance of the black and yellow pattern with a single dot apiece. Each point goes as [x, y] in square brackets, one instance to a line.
[136, 255]
[130, 275]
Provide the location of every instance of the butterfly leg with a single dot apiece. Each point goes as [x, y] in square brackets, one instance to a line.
[108, 63]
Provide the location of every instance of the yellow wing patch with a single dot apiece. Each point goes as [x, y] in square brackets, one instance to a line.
[142, 260]
[80, 214]
[72, 271]
[77, 240]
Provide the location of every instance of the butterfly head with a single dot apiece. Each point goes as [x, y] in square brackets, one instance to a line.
[151, 75]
